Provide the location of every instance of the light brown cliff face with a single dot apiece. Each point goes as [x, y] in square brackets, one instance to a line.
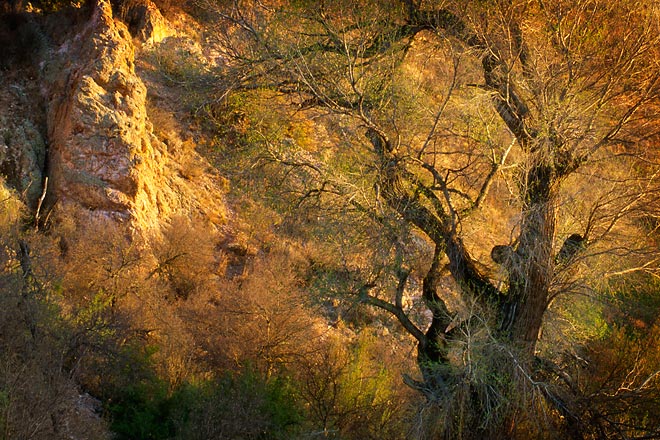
[145, 21]
[96, 119]
[105, 161]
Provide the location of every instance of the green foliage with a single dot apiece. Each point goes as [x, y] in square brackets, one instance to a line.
[96, 315]
[369, 389]
[349, 393]
[573, 321]
[636, 301]
[282, 406]
[135, 399]
[142, 411]
[241, 405]
[254, 131]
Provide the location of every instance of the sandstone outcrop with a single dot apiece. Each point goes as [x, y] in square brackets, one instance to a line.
[104, 160]
[145, 22]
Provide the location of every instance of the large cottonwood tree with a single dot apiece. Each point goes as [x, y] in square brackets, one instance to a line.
[452, 99]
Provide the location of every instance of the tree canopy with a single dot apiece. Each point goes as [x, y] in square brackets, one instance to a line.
[534, 122]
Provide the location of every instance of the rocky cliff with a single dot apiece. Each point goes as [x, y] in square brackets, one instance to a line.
[102, 157]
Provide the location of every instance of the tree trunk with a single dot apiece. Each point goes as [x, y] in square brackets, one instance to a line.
[432, 351]
[521, 313]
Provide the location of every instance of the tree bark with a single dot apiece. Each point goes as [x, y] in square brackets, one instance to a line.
[522, 310]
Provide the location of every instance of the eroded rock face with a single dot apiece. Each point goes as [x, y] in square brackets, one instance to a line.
[105, 161]
[22, 133]
[96, 118]
[22, 156]
[146, 22]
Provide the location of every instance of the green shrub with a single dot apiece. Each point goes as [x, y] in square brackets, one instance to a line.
[143, 411]
[238, 406]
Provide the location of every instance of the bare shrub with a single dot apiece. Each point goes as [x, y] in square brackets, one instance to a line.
[39, 398]
[260, 317]
[185, 257]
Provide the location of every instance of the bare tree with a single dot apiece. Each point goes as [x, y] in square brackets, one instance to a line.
[466, 110]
